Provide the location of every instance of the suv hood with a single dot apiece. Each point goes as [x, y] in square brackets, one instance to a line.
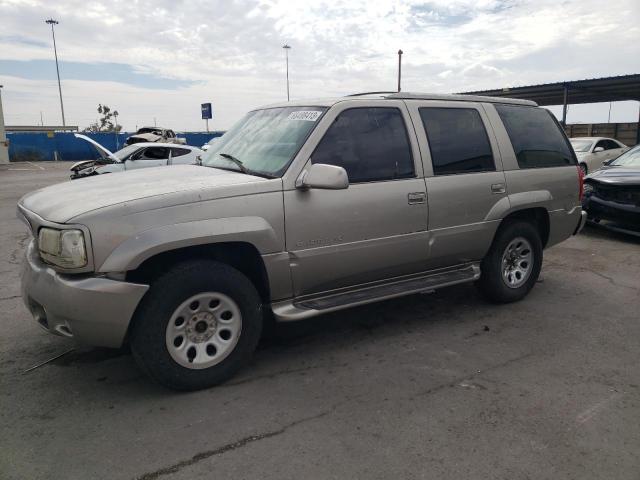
[616, 176]
[62, 202]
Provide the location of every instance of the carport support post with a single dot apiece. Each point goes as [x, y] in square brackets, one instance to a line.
[565, 101]
[637, 127]
[4, 144]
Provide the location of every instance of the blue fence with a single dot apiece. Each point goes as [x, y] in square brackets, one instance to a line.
[43, 146]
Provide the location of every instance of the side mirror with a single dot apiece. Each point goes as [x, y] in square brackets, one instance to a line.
[598, 150]
[323, 176]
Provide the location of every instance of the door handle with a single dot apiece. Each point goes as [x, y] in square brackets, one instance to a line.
[498, 188]
[416, 197]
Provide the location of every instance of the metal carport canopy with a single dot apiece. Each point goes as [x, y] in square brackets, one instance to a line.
[608, 89]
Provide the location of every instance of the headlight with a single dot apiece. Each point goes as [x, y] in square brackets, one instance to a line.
[587, 188]
[64, 248]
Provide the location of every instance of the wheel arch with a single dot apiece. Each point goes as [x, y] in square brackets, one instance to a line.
[243, 256]
[538, 216]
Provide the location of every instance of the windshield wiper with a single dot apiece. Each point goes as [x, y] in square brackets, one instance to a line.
[244, 169]
[239, 163]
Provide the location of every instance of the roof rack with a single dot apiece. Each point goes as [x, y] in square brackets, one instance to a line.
[459, 98]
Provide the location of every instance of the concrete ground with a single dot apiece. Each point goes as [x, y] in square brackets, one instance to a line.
[441, 386]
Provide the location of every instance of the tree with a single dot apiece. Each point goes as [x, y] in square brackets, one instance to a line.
[108, 121]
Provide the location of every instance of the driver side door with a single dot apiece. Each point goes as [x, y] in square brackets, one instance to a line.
[377, 227]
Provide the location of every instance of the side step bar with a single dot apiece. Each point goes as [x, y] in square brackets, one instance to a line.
[301, 308]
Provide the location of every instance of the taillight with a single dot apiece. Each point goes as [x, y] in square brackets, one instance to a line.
[581, 183]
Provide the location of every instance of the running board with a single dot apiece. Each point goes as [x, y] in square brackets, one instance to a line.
[299, 309]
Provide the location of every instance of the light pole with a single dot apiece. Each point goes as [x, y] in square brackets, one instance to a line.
[4, 144]
[53, 22]
[286, 54]
[400, 52]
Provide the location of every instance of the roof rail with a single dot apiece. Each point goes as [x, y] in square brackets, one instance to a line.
[459, 98]
[368, 93]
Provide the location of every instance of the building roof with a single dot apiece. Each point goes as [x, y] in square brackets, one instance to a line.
[593, 90]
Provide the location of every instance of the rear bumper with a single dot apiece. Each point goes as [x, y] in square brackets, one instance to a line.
[583, 220]
[92, 310]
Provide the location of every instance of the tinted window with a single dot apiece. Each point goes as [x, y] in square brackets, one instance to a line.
[178, 152]
[610, 145]
[536, 137]
[371, 144]
[155, 153]
[458, 140]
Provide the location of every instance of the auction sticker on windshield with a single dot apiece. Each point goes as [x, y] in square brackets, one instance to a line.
[308, 115]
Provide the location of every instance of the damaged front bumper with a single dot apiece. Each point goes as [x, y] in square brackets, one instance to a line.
[92, 310]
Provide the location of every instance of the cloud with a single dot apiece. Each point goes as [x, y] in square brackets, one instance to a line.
[163, 58]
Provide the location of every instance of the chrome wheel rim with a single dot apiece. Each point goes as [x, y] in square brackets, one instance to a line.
[203, 330]
[517, 262]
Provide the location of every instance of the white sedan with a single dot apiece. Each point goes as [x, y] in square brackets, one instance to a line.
[137, 155]
[593, 152]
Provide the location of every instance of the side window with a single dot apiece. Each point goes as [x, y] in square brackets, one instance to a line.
[610, 145]
[371, 144]
[178, 152]
[602, 144]
[458, 140]
[155, 153]
[536, 137]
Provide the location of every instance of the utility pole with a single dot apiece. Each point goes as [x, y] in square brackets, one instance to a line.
[400, 52]
[53, 22]
[286, 54]
[4, 144]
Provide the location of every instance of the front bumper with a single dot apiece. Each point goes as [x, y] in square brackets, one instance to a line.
[92, 310]
[622, 216]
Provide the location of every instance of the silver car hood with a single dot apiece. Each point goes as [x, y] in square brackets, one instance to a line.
[62, 202]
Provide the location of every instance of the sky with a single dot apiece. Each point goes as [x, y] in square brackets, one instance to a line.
[157, 61]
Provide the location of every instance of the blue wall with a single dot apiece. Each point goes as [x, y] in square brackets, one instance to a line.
[36, 146]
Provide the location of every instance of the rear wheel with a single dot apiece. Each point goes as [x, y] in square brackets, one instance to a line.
[511, 268]
[197, 326]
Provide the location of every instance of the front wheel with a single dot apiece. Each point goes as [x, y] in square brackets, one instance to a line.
[512, 265]
[197, 326]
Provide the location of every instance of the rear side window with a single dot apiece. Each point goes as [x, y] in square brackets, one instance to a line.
[458, 140]
[536, 137]
[178, 152]
[155, 153]
[371, 144]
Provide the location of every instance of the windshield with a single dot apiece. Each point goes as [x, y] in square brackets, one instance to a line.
[628, 159]
[265, 141]
[126, 151]
[581, 145]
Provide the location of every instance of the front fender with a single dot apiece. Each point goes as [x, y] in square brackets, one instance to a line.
[135, 250]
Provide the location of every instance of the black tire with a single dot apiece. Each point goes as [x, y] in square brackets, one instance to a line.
[149, 326]
[491, 282]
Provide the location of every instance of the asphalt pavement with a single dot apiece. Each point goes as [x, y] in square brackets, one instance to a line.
[438, 386]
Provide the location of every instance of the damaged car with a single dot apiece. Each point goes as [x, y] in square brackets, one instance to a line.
[138, 155]
[154, 135]
[612, 194]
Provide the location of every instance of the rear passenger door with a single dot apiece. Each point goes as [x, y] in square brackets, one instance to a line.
[182, 156]
[464, 179]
